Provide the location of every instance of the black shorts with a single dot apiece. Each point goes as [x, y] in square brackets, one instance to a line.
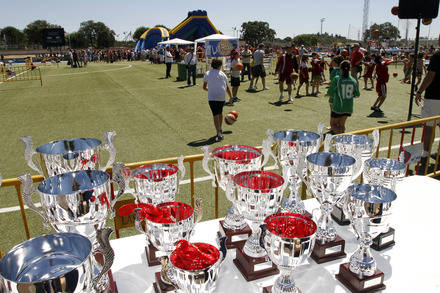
[235, 81]
[259, 71]
[337, 115]
[216, 107]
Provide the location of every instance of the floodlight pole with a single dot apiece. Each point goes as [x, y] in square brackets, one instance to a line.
[322, 21]
[414, 73]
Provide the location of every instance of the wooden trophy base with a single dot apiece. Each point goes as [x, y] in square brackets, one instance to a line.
[329, 251]
[268, 289]
[384, 240]
[235, 238]
[153, 255]
[355, 284]
[339, 217]
[254, 268]
[161, 287]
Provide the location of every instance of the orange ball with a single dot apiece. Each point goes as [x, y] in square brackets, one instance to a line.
[239, 66]
[344, 53]
[230, 119]
[395, 74]
[376, 32]
[427, 21]
[395, 10]
[235, 113]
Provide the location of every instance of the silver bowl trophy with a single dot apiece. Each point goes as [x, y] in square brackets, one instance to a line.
[369, 210]
[328, 176]
[360, 147]
[292, 147]
[69, 155]
[387, 173]
[256, 195]
[60, 262]
[289, 239]
[229, 160]
[179, 225]
[75, 202]
[198, 280]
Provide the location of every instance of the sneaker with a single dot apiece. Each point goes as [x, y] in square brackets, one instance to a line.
[250, 89]
[298, 96]
[255, 87]
[290, 99]
[365, 88]
[378, 110]
[373, 108]
[235, 99]
[219, 136]
[281, 97]
[265, 88]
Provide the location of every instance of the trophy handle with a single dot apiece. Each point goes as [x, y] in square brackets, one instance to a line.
[267, 150]
[327, 142]
[205, 162]
[165, 270]
[103, 235]
[119, 178]
[28, 191]
[262, 235]
[181, 166]
[221, 242]
[110, 147]
[230, 191]
[321, 126]
[376, 139]
[198, 209]
[29, 153]
[138, 220]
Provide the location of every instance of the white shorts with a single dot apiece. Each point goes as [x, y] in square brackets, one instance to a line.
[430, 108]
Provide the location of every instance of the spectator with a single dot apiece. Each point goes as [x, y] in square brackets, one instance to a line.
[316, 73]
[285, 69]
[235, 75]
[191, 66]
[258, 69]
[246, 60]
[303, 75]
[356, 61]
[168, 62]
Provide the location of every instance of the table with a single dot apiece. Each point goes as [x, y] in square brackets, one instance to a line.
[411, 265]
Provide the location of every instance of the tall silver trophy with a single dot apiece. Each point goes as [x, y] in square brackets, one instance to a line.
[387, 173]
[360, 147]
[69, 155]
[256, 194]
[328, 176]
[288, 239]
[292, 147]
[369, 210]
[60, 262]
[227, 161]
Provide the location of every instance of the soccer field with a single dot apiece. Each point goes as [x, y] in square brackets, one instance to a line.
[154, 118]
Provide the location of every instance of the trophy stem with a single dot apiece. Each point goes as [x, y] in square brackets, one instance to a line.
[293, 203]
[362, 262]
[252, 246]
[285, 283]
[326, 231]
[234, 220]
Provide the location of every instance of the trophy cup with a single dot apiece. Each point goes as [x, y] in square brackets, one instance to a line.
[292, 147]
[288, 239]
[369, 210]
[75, 202]
[165, 225]
[69, 155]
[60, 262]
[228, 161]
[384, 172]
[360, 147]
[257, 194]
[194, 267]
[328, 176]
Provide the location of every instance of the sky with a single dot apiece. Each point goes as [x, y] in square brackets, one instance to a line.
[287, 18]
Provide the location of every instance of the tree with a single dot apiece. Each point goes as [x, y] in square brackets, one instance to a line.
[77, 40]
[308, 40]
[13, 36]
[257, 32]
[34, 31]
[386, 31]
[96, 34]
[138, 32]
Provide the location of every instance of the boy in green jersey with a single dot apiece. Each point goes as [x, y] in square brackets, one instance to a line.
[342, 89]
[335, 63]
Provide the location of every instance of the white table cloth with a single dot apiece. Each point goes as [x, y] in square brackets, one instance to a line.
[413, 264]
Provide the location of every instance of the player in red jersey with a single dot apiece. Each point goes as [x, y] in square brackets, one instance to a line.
[303, 75]
[316, 73]
[369, 68]
[381, 83]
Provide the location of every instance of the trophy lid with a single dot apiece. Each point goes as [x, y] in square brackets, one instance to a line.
[73, 182]
[45, 257]
[371, 193]
[330, 159]
[66, 146]
[241, 154]
[385, 164]
[290, 225]
[155, 172]
[194, 256]
[296, 135]
[353, 139]
[258, 180]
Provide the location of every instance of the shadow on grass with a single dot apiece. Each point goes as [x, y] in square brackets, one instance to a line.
[288, 110]
[278, 103]
[382, 122]
[202, 142]
[376, 114]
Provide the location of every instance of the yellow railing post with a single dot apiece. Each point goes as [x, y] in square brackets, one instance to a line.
[23, 212]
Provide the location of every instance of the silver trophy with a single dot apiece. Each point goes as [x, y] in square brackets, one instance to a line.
[194, 281]
[157, 183]
[387, 173]
[288, 239]
[360, 147]
[69, 155]
[369, 210]
[74, 202]
[61, 262]
[294, 146]
[230, 160]
[328, 176]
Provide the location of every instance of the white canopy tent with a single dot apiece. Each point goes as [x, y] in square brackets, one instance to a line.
[215, 37]
[176, 41]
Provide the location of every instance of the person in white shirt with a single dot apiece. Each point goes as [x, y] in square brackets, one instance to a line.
[246, 55]
[215, 82]
[168, 62]
[258, 69]
[235, 75]
[191, 65]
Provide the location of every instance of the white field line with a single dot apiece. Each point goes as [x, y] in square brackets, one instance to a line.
[201, 179]
[87, 72]
[14, 76]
